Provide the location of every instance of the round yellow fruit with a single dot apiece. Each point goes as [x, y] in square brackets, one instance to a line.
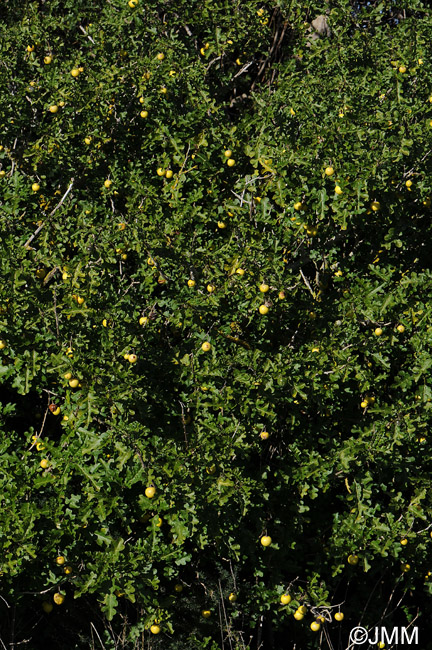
[169, 173]
[298, 615]
[400, 329]
[73, 383]
[264, 435]
[266, 540]
[221, 225]
[338, 189]
[228, 153]
[144, 114]
[68, 570]
[35, 187]
[2, 344]
[210, 288]
[107, 183]
[44, 463]
[402, 69]
[263, 309]
[150, 492]
[154, 629]
[264, 287]
[2, 173]
[59, 599]
[230, 162]
[339, 616]
[363, 404]
[132, 358]
[68, 375]
[404, 541]
[60, 560]
[47, 607]
[57, 411]
[315, 626]
[75, 72]
[178, 588]
[53, 109]
[405, 567]
[302, 609]
[353, 559]
[378, 331]
[206, 613]
[232, 598]
[47, 60]
[240, 272]
[160, 56]
[206, 346]
[329, 171]
[298, 205]
[285, 599]
[143, 320]
[160, 171]
[408, 183]
[191, 283]
[375, 205]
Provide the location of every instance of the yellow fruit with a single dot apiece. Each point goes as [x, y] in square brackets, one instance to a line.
[160, 171]
[57, 411]
[68, 375]
[206, 613]
[132, 358]
[402, 69]
[210, 288]
[264, 288]
[126, 356]
[154, 629]
[302, 609]
[67, 569]
[405, 567]
[163, 90]
[144, 114]
[132, 3]
[266, 540]
[338, 189]
[75, 72]
[107, 183]
[285, 599]
[30, 48]
[228, 153]
[315, 626]
[61, 103]
[53, 109]
[263, 309]
[168, 173]
[150, 492]
[73, 383]
[59, 599]
[47, 60]
[404, 541]
[35, 187]
[400, 329]
[60, 560]
[232, 598]
[221, 225]
[2, 344]
[363, 404]
[206, 346]
[339, 616]
[408, 183]
[298, 205]
[378, 331]
[298, 615]
[80, 300]
[329, 171]
[230, 162]
[44, 463]
[47, 607]
[160, 56]
[87, 140]
[143, 320]
[2, 173]
[264, 435]
[375, 206]
[191, 283]
[240, 272]
[353, 559]
[178, 588]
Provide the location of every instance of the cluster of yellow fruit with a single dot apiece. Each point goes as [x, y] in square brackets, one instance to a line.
[78, 299]
[132, 358]
[168, 173]
[366, 401]
[73, 382]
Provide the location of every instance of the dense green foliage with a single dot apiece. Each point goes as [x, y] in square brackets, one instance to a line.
[175, 174]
